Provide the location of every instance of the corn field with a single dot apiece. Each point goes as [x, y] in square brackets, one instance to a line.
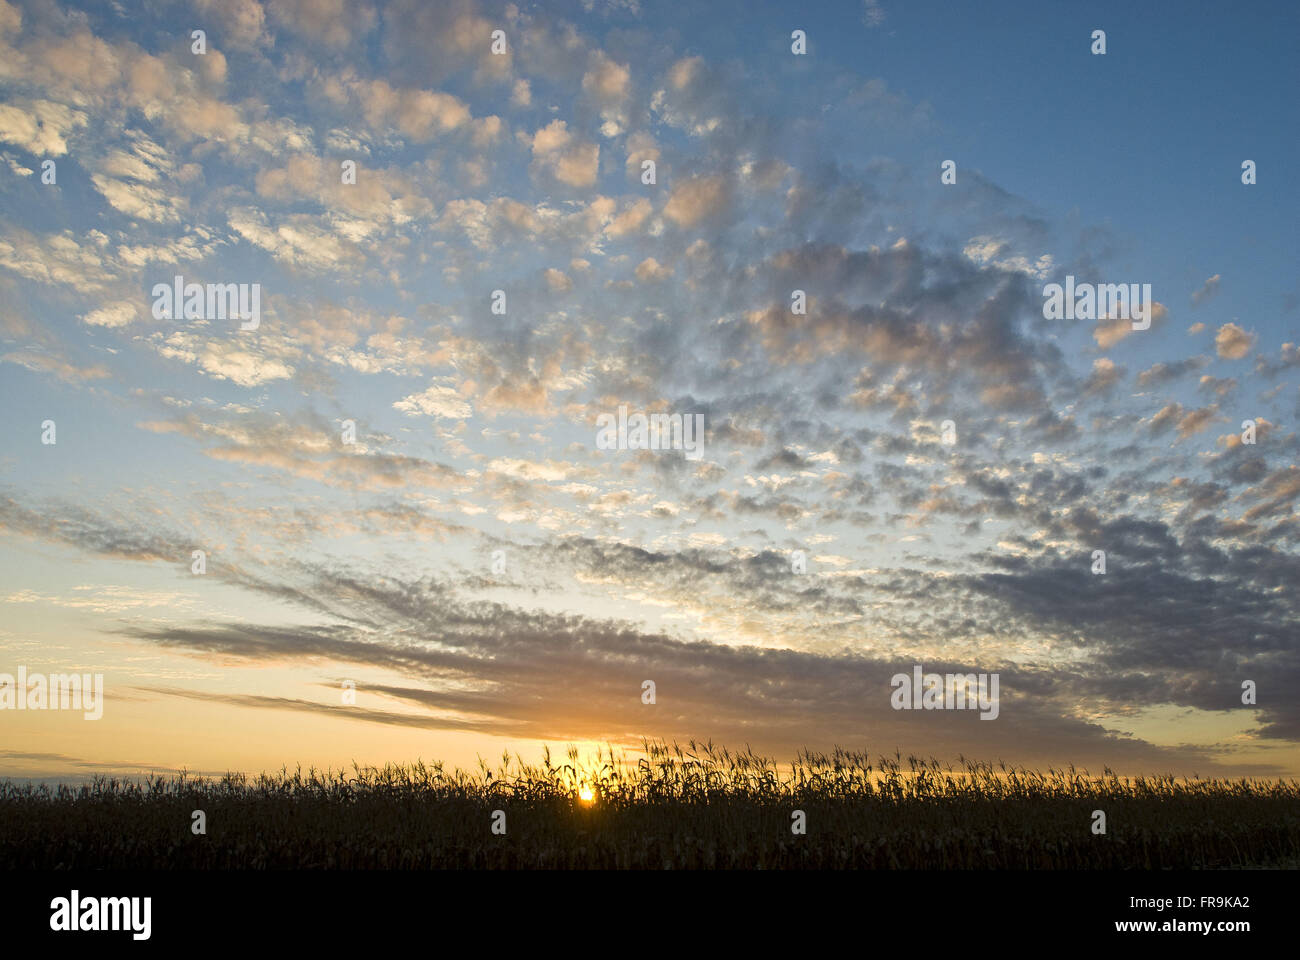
[674, 807]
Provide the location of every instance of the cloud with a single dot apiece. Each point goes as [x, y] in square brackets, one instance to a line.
[41, 127]
[873, 15]
[297, 240]
[56, 365]
[113, 315]
[631, 219]
[1186, 422]
[61, 259]
[244, 360]
[1105, 375]
[1232, 342]
[242, 22]
[557, 280]
[138, 200]
[607, 81]
[436, 401]
[1209, 290]
[996, 252]
[15, 167]
[333, 23]
[696, 199]
[685, 72]
[650, 270]
[489, 659]
[1160, 374]
[1111, 330]
[381, 199]
[1288, 359]
[11, 18]
[564, 157]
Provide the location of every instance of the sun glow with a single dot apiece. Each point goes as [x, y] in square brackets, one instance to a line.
[586, 794]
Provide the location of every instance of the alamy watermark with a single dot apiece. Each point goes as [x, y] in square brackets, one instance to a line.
[946, 691]
[208, 301]
[1088, 301]
[58, 691]
[655, 431]
[76, 913]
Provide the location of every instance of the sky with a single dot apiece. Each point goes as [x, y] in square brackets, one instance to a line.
[395, 476]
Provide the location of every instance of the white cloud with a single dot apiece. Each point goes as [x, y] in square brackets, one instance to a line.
[42, 127]
[564, 157]
[437, 401]
[139, 201]
[114, 315]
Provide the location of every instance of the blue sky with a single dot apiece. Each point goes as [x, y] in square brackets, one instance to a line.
[475, 431]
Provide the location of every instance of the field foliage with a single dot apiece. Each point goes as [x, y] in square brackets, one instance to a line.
[697, 806]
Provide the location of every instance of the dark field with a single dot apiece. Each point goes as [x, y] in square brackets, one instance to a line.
[682, 808]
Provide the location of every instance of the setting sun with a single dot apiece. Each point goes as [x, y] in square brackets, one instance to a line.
[586, 794]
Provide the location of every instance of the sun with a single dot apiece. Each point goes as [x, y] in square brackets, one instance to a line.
[586, 794]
